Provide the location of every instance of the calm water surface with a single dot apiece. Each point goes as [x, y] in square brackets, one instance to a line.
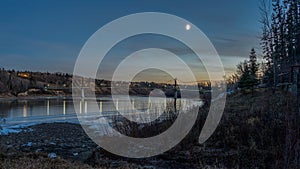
[16, 111]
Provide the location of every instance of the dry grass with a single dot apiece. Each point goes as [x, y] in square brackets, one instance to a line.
[37, 161]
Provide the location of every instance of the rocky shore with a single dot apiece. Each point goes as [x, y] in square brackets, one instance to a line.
[69, 142]
[63, 139]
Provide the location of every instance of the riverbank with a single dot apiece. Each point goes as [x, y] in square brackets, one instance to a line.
[251, 134]
[33, 96]
[69, 142]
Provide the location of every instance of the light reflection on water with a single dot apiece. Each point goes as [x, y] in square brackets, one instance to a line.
[49, 107]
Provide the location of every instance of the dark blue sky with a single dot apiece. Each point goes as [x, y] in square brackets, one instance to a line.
[42, 35]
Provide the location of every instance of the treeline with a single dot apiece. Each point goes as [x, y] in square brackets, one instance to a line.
[281, 50]
[15, 82]
[24, 83]
[280, 41]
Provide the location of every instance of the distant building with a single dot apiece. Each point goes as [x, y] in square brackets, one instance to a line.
[24, 75]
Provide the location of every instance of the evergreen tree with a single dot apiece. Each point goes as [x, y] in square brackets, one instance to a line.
[253, 65]
[244, 75]
[253, 69]
[247, 71]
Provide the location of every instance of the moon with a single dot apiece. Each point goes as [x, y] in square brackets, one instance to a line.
[187, 27]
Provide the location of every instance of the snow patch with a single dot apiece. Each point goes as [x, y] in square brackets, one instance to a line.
[6, 131]
[29, 144]
[52, 155]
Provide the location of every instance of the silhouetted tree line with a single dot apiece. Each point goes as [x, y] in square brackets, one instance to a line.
[281, 49]
[280, 43]
[280, 40]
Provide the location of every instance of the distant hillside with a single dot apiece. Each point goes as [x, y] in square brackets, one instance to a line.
[14, 83]
[25, 83]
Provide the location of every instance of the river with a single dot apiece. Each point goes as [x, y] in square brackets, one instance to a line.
[61, 109]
